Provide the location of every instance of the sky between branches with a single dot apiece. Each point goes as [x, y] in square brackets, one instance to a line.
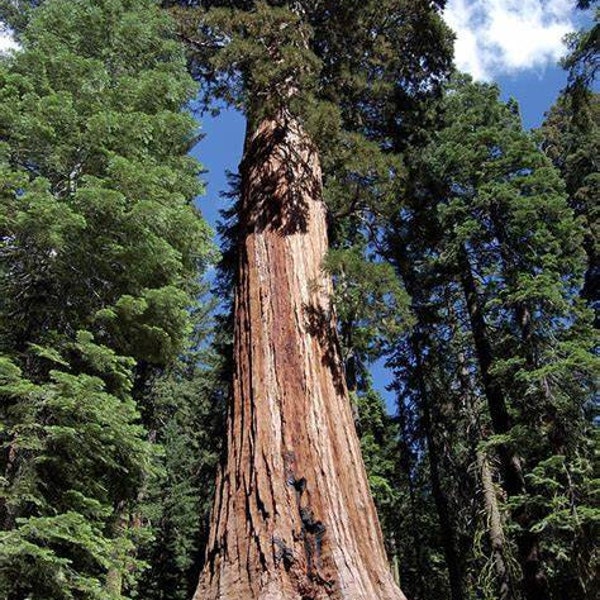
[514, 42]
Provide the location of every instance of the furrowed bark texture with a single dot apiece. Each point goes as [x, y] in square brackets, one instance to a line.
[293, 515]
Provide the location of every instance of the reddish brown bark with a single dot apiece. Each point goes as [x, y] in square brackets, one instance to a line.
[293, 515]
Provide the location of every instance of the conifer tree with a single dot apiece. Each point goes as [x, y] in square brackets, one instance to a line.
[184, 413]
[570, 138]
[100, 250]
[498, 232]
[293, 512]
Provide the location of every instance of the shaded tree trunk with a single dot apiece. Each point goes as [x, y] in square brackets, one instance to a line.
[440, 497]
[491, 503]
[511, 467]
[406, 463]
[114, 576]
[9, 463]
[535, 585]
[421, 371]
[495, 527]
[293, 516]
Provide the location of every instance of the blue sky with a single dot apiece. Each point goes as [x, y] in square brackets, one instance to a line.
[516, 43]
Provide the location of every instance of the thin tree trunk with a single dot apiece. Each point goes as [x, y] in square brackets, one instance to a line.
[7, 518]
[447, 526]
[495, 527]
[407, 466]
[514, 482]
[114, 576]
[293, 515]
[535, 584]
[395, 562]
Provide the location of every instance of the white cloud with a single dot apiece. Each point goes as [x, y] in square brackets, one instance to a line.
[7, 41]
[505, 36]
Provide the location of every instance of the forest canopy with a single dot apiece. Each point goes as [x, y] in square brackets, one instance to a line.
[179, 420]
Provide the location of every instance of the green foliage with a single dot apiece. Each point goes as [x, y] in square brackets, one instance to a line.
[378, 440]
[16, 13]
[498, 184]
[582, 60]
[103, 157]
[111, 406]
[489, 205]
[187, 418]
[570, 139]
[351, 55]
[372, 306]
[360, 179]
[100, 253]
[71, 448]
[268, 51]
[566, 492]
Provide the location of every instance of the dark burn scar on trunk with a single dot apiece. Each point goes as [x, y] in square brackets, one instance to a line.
[312, 531]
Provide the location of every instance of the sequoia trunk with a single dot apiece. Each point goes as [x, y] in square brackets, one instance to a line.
[293, 515]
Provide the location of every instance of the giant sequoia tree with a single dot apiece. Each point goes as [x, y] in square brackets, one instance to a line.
[374, 214]
[293, 515]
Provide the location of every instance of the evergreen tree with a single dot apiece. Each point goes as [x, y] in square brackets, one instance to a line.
[582, 61]
[308, 76]
[100, 253]
[498, 232]
[374, 216]
[185, 415]
[570, 138]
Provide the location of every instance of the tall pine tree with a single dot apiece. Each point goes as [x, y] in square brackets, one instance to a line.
[496, 233]
[100, 253]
